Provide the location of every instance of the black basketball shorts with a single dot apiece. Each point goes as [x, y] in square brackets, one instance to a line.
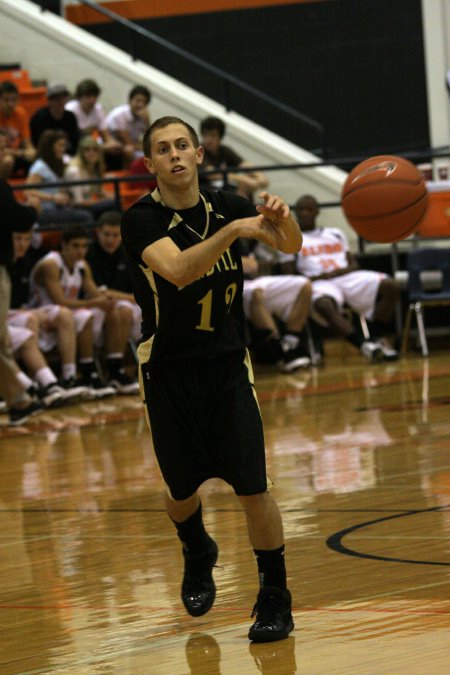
[205, 423]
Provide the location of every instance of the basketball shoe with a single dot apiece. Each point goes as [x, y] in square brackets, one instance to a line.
[198, 590]
[273, 615]
[293, 355]
[372, 351]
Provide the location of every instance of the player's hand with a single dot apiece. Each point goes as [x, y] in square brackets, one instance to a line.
[260, 228]
[275, 210]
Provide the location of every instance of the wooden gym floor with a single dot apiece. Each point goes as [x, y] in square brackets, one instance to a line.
[90, 567]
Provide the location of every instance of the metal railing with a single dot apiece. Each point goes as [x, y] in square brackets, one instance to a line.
[227, 80]
[117, 180]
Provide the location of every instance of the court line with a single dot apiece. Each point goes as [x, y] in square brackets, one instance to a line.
[334, 542]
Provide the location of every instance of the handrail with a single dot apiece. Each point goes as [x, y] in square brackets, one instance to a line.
[442, 151]
[226, 78]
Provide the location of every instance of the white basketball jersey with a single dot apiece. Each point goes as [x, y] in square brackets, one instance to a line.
[71, 281]
[323, 250]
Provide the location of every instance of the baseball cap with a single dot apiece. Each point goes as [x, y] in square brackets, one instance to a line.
[57, 89]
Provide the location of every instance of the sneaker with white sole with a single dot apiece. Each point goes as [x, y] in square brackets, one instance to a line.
[123, 384]
[372, 351]
[293, 360]
[389, 353]
[52, 396]
[18, 416]
[293, 354]
[96, 387]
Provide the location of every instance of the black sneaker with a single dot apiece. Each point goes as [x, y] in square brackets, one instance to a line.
[52, 395]
[198, 590]
[372, 351]
[273, 615]
[389, 353]
[293, 360]
[123, 384]
[18, 416]
[97, 389]
[73, 389]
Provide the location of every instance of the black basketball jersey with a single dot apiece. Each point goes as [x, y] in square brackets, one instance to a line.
[205, 319]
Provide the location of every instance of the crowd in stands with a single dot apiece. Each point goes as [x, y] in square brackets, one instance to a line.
[72, 294]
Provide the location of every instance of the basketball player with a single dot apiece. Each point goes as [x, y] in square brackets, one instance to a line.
[186, 269]
[336, 279]
[65, 278]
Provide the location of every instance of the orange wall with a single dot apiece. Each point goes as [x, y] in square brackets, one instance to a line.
[142, 9]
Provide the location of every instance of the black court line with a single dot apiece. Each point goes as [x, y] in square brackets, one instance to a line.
[334, 542]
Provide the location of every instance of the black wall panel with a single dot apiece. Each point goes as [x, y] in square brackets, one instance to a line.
[356, 66]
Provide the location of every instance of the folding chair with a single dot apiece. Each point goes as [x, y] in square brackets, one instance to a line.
[428, 286]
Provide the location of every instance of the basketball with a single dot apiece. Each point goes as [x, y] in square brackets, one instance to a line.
[384, 198]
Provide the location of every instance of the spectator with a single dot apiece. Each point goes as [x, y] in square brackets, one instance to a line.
[220, 156]
[127, 123]
[6, 159]
[91, 117]
[54, 116]
[336, 279]
[107, 260]
[276, 307]
[52, 325]
[65, 278]
[89, 163]
[44, 383]
[14, 122]
[57, 201]
[20, 404]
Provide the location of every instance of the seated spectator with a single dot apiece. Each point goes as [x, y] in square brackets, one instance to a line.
[65, 278]
[54, 116]
[127, 123]
[336, 279]
[49, 167]
[52, 325]
[138, 168]
[12, 214]
[6, 159]
[276, 308]
[14, 122]
[107, 260]
[89, 163]
[220, 156]
[43, 383]
[91, 117]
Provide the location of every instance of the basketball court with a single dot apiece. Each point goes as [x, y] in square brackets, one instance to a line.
[90, 567]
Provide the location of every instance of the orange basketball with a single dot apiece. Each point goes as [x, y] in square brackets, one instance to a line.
[384, 198]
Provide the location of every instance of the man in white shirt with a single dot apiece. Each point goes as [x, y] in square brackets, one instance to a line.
[127, 123]
[336, 279]
[91, 118]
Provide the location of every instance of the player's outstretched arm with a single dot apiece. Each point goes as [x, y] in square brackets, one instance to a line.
[288, 234]
[183, 267]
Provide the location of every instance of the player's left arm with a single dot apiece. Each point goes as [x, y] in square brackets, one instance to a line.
[288, 234]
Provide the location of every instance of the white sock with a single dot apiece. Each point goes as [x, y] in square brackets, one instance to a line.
[68, 371]
[289, 342]
[24, 380]
[115, 355]
[45, 376]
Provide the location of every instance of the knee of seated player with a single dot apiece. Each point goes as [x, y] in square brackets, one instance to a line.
[126, 314]
[32, 322]
[326, 306]
[64, 318]
[305, 292]
[257, 297]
